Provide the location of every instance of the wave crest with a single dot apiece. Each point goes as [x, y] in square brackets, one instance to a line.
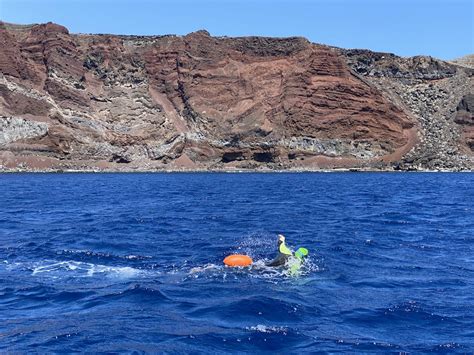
[82, 269]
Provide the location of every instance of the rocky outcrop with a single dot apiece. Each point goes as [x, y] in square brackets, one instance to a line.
[465, 110]
[202, 102]
[430, 90]
[16, 129]
[465, 118]
[390, 66]
[466, 61]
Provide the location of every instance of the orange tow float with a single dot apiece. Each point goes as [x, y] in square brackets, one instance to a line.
[238, 260]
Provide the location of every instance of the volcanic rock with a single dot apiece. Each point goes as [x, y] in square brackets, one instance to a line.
[465, 118]
[202, 102]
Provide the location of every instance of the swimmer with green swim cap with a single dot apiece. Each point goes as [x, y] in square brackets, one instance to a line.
[285, 256]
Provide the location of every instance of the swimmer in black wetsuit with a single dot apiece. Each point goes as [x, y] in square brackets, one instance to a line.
[284, 253]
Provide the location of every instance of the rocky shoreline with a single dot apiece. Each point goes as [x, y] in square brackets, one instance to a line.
[262, 170]
[106, 103]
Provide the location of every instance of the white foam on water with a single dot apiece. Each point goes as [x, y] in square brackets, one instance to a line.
[81, 269]
[260, 328]
[207, 267]
[100, 254]
[258, 270]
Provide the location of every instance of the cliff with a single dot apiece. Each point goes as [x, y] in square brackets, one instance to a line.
[107, 102]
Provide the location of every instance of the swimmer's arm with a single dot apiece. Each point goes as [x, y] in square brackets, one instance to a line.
[278, 261]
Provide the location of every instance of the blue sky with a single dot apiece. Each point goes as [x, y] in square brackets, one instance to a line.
[441, 28]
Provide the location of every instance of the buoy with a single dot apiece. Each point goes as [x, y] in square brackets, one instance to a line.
[238, 260]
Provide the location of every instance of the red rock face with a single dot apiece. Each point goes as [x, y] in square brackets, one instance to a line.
[465, 118]
[195, 101]
[290, 90]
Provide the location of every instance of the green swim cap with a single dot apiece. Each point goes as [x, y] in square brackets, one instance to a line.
[301, 253]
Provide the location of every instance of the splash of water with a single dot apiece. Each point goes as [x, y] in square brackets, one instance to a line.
[82, 269]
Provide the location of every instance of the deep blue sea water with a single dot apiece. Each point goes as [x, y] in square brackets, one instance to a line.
[124, 262]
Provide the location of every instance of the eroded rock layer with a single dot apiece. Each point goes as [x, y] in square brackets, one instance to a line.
[200, 102]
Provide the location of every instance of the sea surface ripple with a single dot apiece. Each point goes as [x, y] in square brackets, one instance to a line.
[133, 262]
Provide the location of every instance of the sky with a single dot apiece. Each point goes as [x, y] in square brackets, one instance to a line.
[440, 28]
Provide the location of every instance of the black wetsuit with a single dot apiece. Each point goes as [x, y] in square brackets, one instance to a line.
[283, 254]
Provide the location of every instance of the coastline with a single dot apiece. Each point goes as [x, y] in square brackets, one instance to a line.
[226, 171]
[345, 110]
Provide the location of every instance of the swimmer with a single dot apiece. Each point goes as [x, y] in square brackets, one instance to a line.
[283, 255]
[286, 257]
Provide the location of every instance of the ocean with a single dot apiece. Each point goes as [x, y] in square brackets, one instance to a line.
[133, 262]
